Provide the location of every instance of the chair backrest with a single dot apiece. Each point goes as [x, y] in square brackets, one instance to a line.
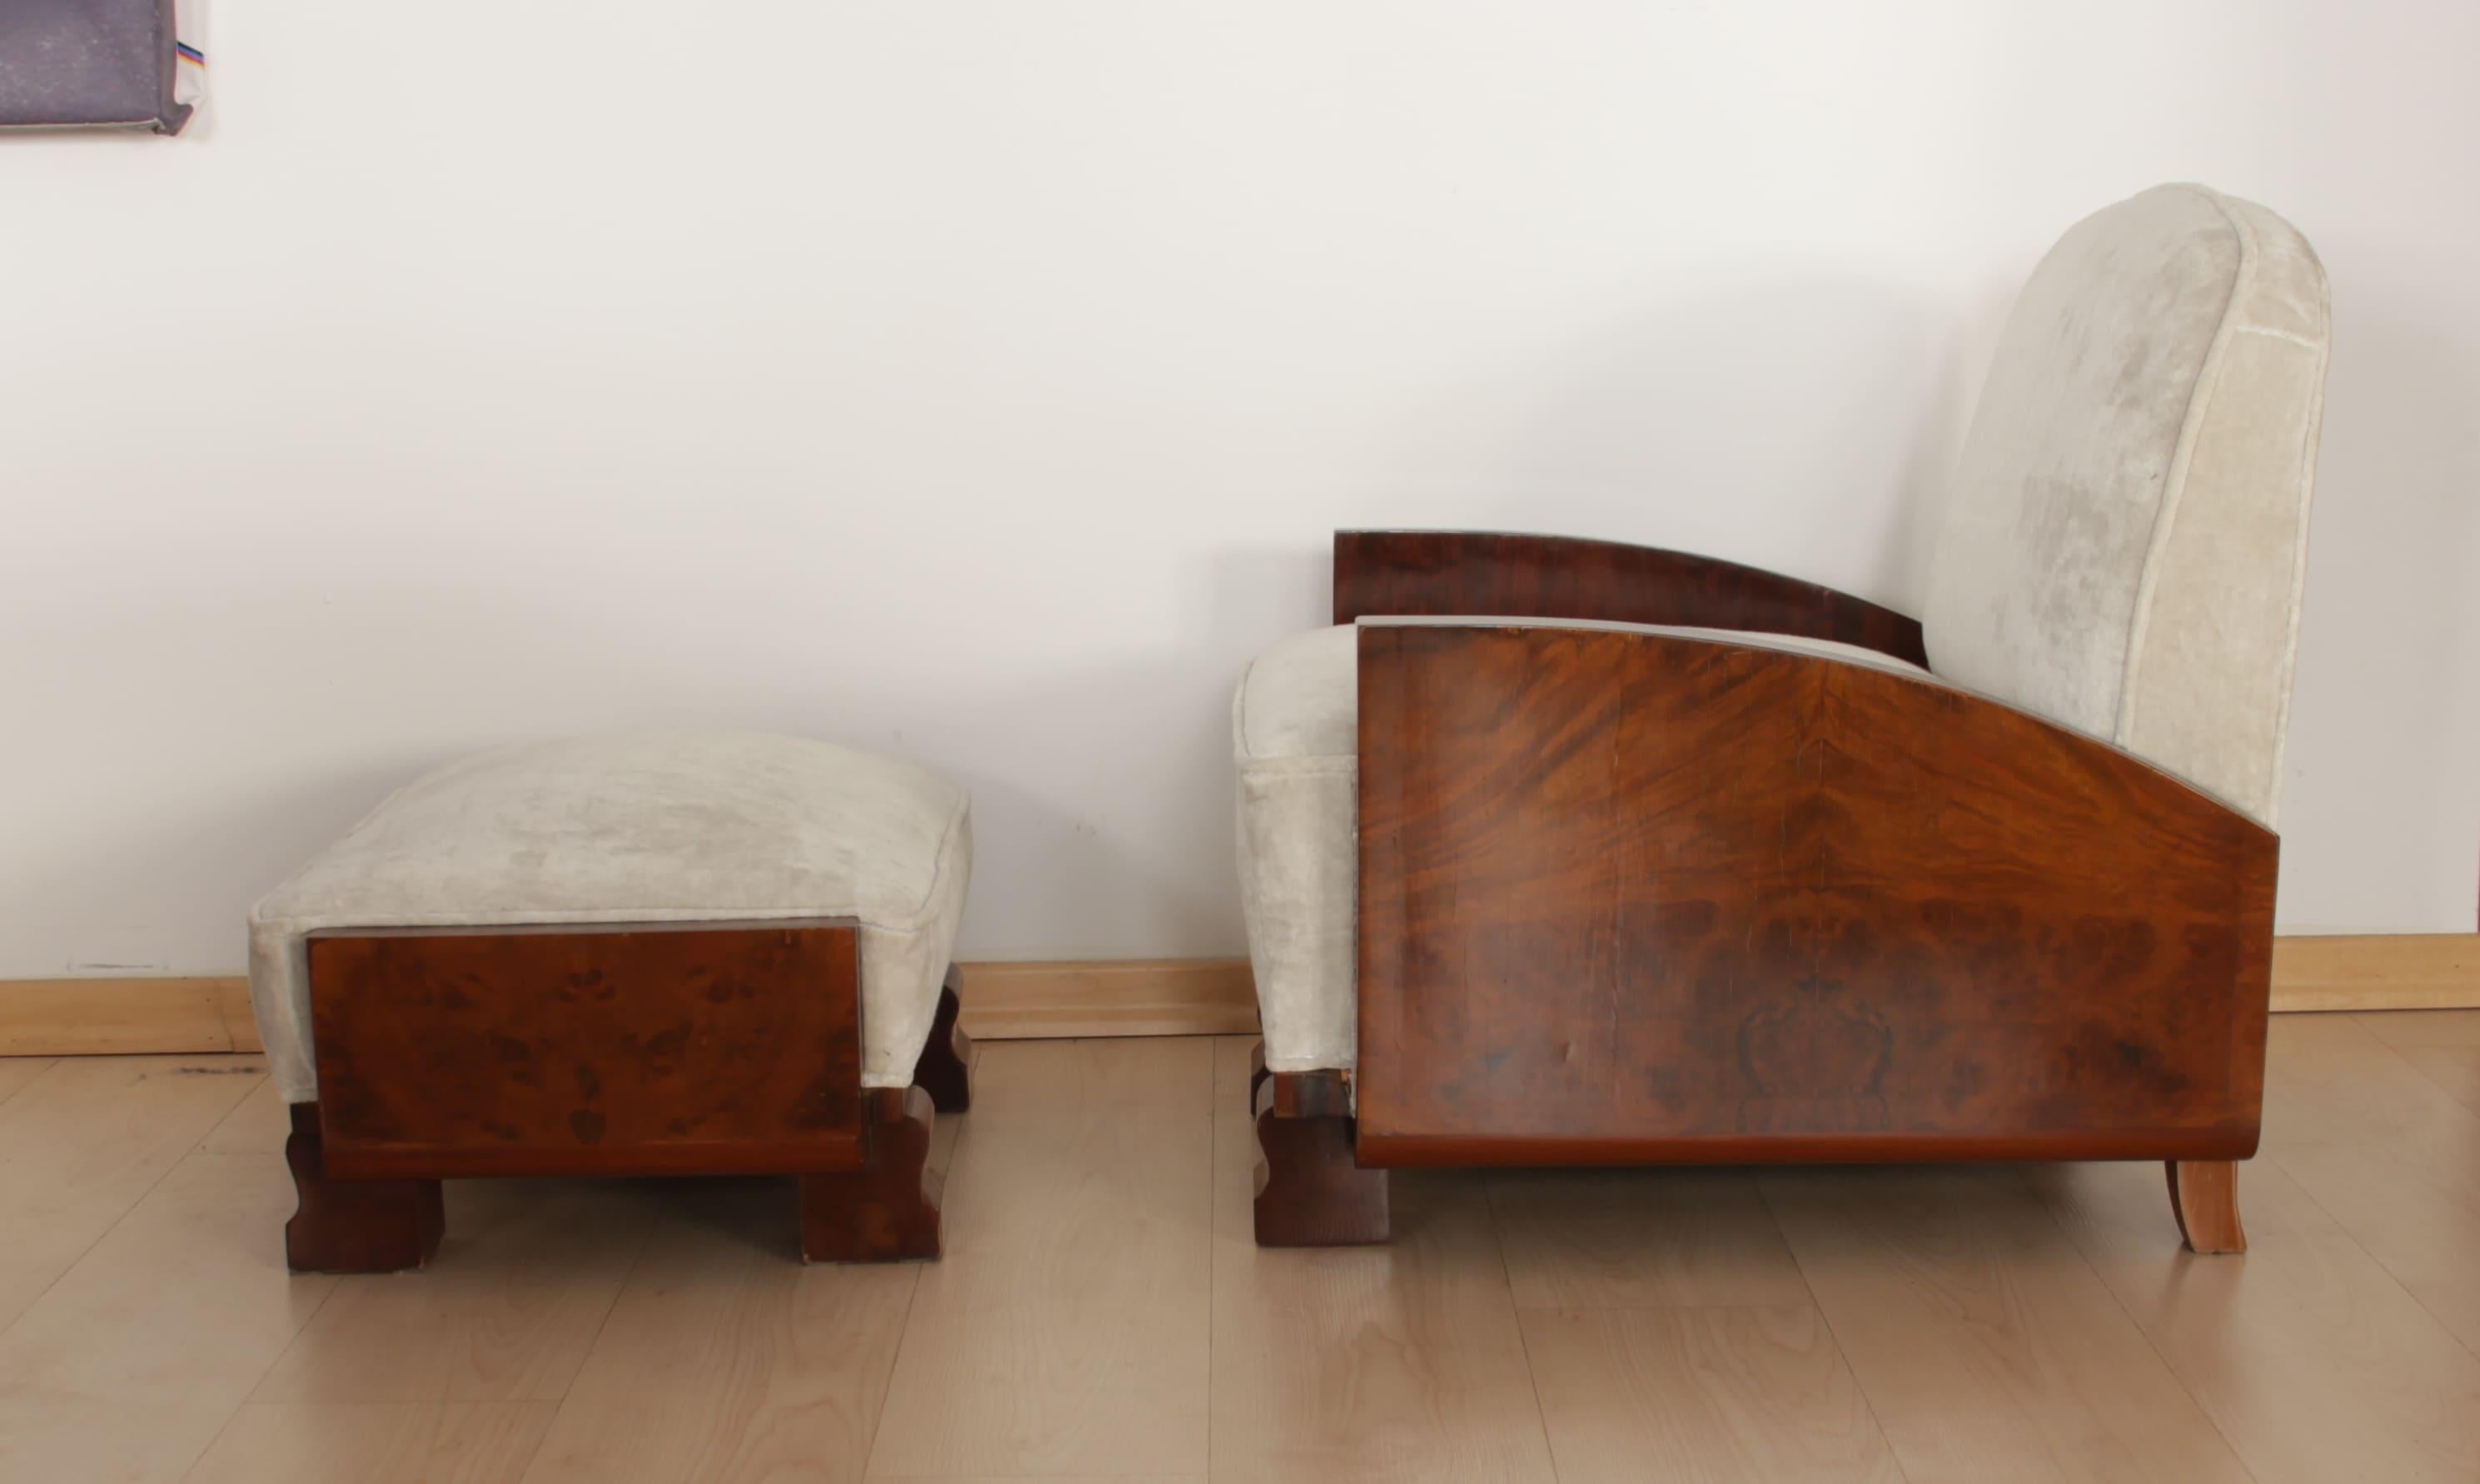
[2124, 544]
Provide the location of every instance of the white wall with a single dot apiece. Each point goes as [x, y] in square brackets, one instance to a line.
[982, 381]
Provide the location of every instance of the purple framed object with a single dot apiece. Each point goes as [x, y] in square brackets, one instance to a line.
[95, 63]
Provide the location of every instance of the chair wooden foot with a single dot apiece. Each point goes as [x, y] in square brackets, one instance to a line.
[945, 1070]
[887, 1210]
[354, 1226]
[2205, 1197]
[1310, 1191]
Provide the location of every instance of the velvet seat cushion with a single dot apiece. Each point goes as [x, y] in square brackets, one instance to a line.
[662, 826]
[1295, 737]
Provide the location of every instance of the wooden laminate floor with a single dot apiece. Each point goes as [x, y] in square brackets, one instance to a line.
[1101, 1313]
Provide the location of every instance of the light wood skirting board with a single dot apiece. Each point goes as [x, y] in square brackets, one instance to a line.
[1012, 1002]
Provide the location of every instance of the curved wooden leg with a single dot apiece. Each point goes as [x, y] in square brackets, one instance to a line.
[354, 1226]
[2205, 1197]
[1310, 1191]
[945, 1070]
[888, 1210]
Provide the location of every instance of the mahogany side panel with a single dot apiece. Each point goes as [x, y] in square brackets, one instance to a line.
[638, 1049]
[1631, 897]
[1488, 574]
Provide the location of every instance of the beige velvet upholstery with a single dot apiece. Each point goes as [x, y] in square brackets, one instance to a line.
[2127, 531]
[2122, 553]
[1296, 735]
[662, 826]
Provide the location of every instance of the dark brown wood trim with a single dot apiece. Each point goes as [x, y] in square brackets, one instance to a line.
[945, 1070]
[1312, 1190]
[1505, 574]
[354, 1226]
[888, 1210]
[1629, 896]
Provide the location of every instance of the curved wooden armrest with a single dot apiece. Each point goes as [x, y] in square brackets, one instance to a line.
[1488, 574]
[1641, 897]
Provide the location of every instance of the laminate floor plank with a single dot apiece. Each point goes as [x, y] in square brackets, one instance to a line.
[1659, 1239]
[1063, 1330]
[82, 1141]
[1403, 1362]
[2314, 1362]
[129, 1366]
[2389, 1154]
[1987, 1347]
[377, 1443]
[2443, 1044]
[727, 1360]
[505, 1310]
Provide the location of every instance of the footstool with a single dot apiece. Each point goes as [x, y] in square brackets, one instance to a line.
[662, 953]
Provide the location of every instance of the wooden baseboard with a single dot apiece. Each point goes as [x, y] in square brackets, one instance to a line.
[1009, 1001]
[2393, 972]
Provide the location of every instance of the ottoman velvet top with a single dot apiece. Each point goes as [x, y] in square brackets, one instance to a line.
[645, 827]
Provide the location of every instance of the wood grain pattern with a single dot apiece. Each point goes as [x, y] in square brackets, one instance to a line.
[2391, 1155]
[1499, 575]
[1310, 1193]
[1628, 898]
[1063, 1330]
[1987, 1347]
[376, 1442]
[2383, 971]
[354, 1226]
[1400, 1365]
[508, 1311]
[1017, 1002]
[887, 1210]
[1641, 1239]
[2310, 1358]
[128, 1366]
[2204, 1199]
[107, 1017]
[646, 1049]
[2444, 1045]
[80, 1146]
[724, 1364]
[1760, 1396]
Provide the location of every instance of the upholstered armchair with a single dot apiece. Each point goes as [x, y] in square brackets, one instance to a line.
[1564, 852]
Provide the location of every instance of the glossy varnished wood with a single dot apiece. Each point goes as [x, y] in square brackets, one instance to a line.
[1628, 898]
[1498, 575]
[635, 1049]
[2205, 1197]
[888, 1210]
[354, 1226]
[1310, 1191]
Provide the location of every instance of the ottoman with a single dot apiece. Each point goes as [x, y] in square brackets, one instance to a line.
[664, 953]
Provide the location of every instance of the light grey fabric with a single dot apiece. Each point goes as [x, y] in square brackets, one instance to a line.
[660, 826]
[1295, 737]
[2126, 533]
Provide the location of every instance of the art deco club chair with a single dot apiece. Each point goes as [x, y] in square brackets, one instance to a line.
[1565, 853]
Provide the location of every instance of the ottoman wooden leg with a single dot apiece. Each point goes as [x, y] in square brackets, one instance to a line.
[354, 1226]
[888, 1210]
[945, 1070]
[1310, 1191]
